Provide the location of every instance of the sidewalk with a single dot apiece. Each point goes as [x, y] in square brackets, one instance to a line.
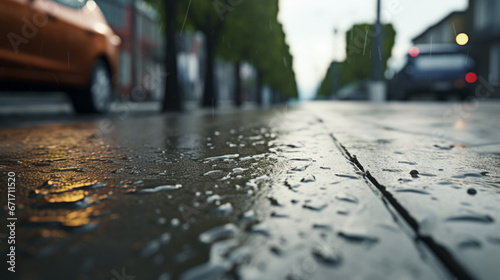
[322, 191]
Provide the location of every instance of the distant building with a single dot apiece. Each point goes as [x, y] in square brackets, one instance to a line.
[485, 39]
[149, 50]
[445, 30]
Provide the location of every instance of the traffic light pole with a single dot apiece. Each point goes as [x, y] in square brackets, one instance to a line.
[377, 48]
[377, 90]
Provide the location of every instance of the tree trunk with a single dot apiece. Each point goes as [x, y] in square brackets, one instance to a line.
[237, 85]
[209, 93]
[133, 49]
[258, 98]
[172, 100]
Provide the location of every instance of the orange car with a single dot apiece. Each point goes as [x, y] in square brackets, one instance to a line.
[59, 45]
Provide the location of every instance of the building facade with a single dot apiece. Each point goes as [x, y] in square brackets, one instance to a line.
[141, 51]
[445, 30]
[485, 40]
[481, 22]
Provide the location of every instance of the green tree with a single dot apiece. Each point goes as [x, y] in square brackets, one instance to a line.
[236, 31]
[239, 38]
[358, 64]
[255, 35]
[209, 17]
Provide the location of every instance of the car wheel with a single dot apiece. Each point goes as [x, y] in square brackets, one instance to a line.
[96, 97]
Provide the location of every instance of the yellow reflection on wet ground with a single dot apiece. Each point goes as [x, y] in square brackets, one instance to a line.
[66, 197]
[69, 218]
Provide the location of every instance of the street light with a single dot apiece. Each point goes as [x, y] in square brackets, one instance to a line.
[462, 39]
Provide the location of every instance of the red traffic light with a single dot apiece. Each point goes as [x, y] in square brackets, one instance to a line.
[471, 77]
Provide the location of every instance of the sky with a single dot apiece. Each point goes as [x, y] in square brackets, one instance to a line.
[309, 28]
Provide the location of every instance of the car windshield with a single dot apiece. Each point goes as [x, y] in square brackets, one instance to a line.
[442, 62]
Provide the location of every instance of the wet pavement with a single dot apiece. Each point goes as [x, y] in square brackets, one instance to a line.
[319, 191]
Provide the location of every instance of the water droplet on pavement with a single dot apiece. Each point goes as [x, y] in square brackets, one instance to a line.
[308, 178]
[360, 237]
[326, 255]
[159, 188]
[225, 208]
[230, 156]
[154, 245]
[471, 217]
[212, 172]
[408, 162]
[315, 205]
[471, 191]
[218, 233]
[213, 198]
[346, 197]
[417, 191]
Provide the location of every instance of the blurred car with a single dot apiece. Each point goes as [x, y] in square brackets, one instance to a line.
[354, 91]
[442, 70]
[63, 45]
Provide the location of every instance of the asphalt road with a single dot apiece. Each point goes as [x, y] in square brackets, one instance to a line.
[323, 190]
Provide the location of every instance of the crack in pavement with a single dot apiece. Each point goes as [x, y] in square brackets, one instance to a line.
[455, 270]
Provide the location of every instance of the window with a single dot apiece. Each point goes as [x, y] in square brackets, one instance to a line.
[74, 4]
[113, 12]
[125, 73]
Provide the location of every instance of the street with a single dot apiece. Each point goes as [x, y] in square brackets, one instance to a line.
[317, 190]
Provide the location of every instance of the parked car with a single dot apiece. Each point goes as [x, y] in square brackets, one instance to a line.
[442, 70]
[59, 45]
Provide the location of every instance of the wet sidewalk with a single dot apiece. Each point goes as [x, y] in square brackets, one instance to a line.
[321, 191]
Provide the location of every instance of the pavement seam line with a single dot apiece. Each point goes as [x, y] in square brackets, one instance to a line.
[440, 252]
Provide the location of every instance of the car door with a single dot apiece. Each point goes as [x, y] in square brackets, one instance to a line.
[67, 39]
[21, 39]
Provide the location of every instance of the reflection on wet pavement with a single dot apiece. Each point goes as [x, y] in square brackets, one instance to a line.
[246, 196]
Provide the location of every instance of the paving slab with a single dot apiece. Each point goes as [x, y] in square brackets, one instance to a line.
[438, 164]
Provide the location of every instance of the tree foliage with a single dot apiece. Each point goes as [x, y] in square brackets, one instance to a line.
[236, 31]
[358, 63]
